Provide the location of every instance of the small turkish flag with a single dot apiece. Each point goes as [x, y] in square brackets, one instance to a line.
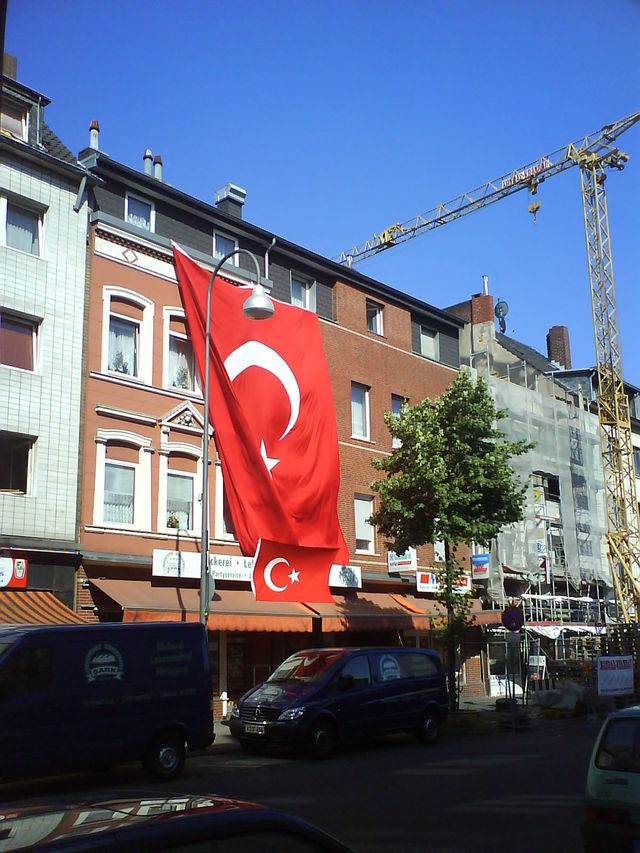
[291, 572]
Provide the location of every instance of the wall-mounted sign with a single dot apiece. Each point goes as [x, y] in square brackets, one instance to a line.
[479, 567]
[407, 562]
[231, 567]
[430, 582]
[13, 572]
[615, 675]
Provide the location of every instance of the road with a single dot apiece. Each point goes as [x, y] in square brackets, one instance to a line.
[478, 792]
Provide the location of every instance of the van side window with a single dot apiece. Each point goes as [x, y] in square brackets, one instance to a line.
[358, 668]
[388, 667]
[418, 666]
[28, 670]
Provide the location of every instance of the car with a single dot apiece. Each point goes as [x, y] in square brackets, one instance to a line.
[612, 793]
[319, 697]
[207, 823]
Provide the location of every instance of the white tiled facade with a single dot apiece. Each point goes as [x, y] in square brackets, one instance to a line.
[45, 403]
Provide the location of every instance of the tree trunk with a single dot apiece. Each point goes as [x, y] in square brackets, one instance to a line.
[451, 634]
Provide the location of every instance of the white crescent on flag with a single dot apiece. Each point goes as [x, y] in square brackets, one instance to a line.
[267, 574]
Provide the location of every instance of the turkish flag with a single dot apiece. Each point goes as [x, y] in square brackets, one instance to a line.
[272, 411]
[289, 573]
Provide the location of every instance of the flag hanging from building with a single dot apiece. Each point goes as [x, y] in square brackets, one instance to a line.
[272, 410]
[290, 573]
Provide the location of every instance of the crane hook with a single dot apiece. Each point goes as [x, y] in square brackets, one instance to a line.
[533, 208]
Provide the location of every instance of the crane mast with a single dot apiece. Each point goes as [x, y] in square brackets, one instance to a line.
[593, 154]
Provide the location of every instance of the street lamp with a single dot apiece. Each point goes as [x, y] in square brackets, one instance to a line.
[258, 306]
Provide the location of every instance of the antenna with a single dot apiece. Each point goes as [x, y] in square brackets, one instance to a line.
[501, 310]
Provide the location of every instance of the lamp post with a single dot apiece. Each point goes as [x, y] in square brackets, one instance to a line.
[257, 307]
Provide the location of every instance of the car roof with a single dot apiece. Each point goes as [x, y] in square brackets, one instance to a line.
[632, 712]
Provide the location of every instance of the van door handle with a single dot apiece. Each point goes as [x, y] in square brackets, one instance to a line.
[612, 780]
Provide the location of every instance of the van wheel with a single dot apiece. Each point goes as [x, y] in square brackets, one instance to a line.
[429, 728]
[166, 756]
[322, 739]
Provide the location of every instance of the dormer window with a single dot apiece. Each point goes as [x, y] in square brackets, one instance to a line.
[139, 212]
[222, 245]
[14, 121]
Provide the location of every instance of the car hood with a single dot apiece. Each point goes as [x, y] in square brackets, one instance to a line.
[278, 694]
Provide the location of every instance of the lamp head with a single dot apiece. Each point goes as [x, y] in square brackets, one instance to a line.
[258, 306]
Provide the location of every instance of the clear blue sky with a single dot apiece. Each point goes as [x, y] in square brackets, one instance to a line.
[341, 118]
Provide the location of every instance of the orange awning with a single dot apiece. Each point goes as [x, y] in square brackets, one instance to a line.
[369, 611]
[34, 607]
[230, 609]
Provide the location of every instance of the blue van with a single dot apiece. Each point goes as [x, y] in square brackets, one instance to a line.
[76, 697]
[319, 697]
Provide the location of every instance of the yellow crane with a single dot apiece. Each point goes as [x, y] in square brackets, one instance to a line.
[593, 154]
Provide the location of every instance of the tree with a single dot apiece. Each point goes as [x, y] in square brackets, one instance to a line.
[449, 479]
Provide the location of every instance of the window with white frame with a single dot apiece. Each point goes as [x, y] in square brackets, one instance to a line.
[363, 509]
[396, 408]
[359, 410]
[224, 528]
[119, 493]
[636, 461]
[180, 365]
[429, 345]
[15, 462]
[20, 226]
[374, 316]
[127, 336]
[14, 120]
[303, 292]
[139, 212]
[222, 245]
[18, 341]
[180, 500]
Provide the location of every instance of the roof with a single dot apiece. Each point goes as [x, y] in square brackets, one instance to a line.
[528, 354]
[55, 146]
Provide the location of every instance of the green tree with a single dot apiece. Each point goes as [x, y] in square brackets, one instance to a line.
[449, 479]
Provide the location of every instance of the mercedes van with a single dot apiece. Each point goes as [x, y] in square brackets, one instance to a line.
[76, 697]
[319, 697]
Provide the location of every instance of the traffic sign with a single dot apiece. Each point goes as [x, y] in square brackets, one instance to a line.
[512, 618]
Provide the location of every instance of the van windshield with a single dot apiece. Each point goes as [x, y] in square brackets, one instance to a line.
[306, 666]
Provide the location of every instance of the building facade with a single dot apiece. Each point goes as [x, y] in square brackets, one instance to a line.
[43, 230]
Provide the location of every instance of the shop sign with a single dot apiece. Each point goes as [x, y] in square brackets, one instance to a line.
[13, 572]
[615, 675]
[231, 567]
[479, 566]
[407, 562]
[429, 582]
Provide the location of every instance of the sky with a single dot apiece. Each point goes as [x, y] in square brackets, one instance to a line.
[341, 118]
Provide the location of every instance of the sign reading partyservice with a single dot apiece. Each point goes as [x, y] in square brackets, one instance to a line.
[229, 567]
[615, 675]
[407, 562]
[13, 572]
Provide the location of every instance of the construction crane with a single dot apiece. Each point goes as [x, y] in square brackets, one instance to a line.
[593, 154]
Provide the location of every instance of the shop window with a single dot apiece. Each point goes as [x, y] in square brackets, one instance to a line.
[18, 341]
[15, 462]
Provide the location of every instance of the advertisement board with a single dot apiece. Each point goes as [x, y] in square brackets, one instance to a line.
[479, 567]
[407, 562]
[615, 675]
[13, 573]
[428, 581]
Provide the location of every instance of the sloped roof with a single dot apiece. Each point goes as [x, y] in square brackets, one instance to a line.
[55, 146]
[528, 354]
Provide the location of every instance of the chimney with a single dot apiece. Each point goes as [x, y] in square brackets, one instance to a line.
[558, 346]
[94, 133]
[478, 309]
[230, 199]
[157, 167]
[9, 66]
[147, 159]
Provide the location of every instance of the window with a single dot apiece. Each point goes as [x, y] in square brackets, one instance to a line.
[429, 343]
[180, 366]
[21, 227]
[222, 245]
[396, 407]
[358, 669]
[223, 521]
[303, 292]
[18, 338]
[359, 411]
[439, 554]
[28, 670]
[180, 501]
[363, 508]
[636, 460]
[124, 338]
[14, 121]
[374, 317]
[118, 493]
[139, 212]
[15, 459]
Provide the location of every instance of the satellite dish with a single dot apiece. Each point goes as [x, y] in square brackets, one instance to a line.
[501, 310]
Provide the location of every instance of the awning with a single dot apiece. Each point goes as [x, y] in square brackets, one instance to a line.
[370, 611]
[34, 607]
[230, 609]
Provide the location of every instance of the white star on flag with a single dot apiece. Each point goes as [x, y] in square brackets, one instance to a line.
[294, 577]
[269, 461]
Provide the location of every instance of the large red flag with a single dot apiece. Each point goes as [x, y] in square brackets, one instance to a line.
[272, 411]
[288, 573]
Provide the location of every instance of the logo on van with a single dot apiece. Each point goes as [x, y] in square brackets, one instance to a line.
[102, 663]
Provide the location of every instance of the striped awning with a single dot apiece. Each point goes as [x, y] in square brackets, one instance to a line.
[34, 607]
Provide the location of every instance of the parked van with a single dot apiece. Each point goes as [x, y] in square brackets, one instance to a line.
[319, 697]
[76, 697]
